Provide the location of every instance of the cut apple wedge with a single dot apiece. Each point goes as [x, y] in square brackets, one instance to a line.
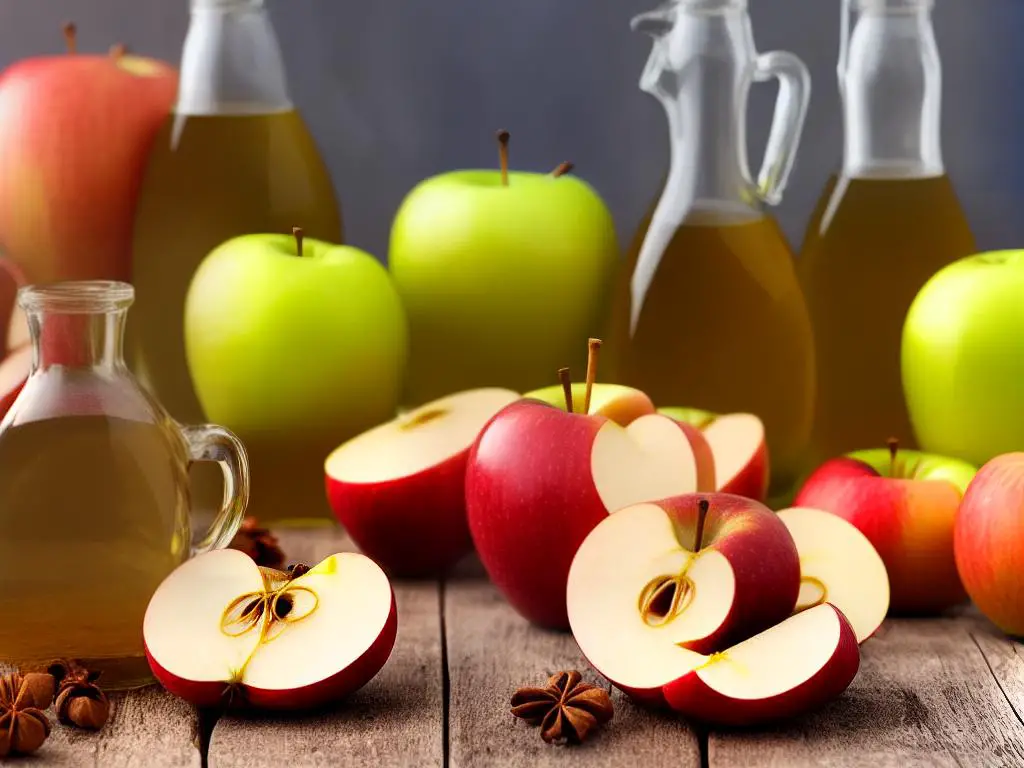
[838, 565]
[221, 630]
[399, 489]
[741, 455]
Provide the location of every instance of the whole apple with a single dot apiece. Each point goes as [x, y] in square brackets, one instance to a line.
[508, 269]
[75, 133]
[963, 358]
[988, 541]
[295, 345]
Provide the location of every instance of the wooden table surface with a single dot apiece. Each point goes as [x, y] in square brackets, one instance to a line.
[936, 692]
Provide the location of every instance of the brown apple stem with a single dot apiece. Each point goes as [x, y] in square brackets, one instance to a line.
[894, 449]
[593, 349]
[566, 379]
[71, 37]
[297, 231]
[702, 512]
[503, 137]
[117, 51]
[562, 169]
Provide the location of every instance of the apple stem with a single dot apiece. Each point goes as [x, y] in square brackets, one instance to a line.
[702, 512]
[593, 349]
[562, 169]
[503, 137]
[71, 36]
[117, 51]
[894, 448]
[566, 379]
[297, 232]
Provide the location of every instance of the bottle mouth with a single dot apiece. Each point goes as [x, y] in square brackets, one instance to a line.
[892, 6]
[77, 297]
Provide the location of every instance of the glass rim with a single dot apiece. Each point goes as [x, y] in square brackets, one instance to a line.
[77, 296]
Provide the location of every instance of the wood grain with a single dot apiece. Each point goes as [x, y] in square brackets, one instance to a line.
[396, 720]
[492, 651]
[925, 697]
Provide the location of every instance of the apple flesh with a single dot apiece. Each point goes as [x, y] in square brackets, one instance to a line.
[988, 539]
[906, 507]
[621, 404]
[539, 479]
[838, 565]
[221, 630]
[399, 489]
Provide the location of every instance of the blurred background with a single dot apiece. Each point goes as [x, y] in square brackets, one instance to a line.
[396, 91]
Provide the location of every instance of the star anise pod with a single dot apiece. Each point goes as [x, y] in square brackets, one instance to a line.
[80, 701]
[23, 726]
[258, 543]
[566, 709]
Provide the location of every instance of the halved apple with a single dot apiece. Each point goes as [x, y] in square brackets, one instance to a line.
[838, 565]
[399, 489]
[222, 630]
[621, 404]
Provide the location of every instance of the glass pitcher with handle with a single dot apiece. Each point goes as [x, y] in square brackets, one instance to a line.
[94, 490]
[708, 313]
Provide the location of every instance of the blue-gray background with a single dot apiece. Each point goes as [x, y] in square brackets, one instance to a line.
[398, 90]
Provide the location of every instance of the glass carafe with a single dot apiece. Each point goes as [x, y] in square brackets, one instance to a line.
[94, 494]
[884, 225]
[234, 158]
[708, 313]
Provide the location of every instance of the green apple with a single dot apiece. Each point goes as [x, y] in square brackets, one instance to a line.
[502, 281]
[621, 404]
[295, 345]
[963, 358]
[694, 416]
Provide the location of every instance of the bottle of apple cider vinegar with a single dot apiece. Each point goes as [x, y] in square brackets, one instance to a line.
[233, 158]
[884, 225]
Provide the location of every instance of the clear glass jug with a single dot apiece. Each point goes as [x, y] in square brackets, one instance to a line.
[94, 494]
[708, 313]
[883, 225]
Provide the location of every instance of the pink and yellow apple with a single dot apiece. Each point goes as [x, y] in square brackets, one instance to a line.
[619, 403]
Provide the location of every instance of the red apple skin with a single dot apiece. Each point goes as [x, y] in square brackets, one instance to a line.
[412, 526]
[331, 689]
[988, 540]
[763, 556]
[884, 509]
[702, 455]
[75, 135]
[692, 697]
[529, 513]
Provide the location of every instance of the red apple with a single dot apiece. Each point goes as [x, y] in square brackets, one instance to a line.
[75, 134]
[705, 571]
[905, 503]
[399, 489]
[221, 630]
[989, 539]
[539, 479]
[14, 371]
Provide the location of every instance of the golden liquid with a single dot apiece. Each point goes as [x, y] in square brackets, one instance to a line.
[870, 247]
[224, 176]
[723, 328]
[93, 516]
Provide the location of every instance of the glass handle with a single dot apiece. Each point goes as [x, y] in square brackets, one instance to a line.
[208, 442]
[787, 123]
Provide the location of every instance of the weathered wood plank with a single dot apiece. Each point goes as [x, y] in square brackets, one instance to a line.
[396, 720]
[492, 651]
[924, 697]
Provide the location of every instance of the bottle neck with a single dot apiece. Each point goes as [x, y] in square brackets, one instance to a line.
[231, 62]
[892, 95]
[77, 340]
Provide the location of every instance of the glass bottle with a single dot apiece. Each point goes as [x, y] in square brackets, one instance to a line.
[234, 158]
[708, 313]
[94, 493]
[883, 226]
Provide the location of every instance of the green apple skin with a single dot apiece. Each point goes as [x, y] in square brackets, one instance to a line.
[279, 342]
[963, 358]
[502, 285]
[917, 465]
[693, 416]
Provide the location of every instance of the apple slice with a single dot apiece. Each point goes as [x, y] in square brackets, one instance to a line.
[14, 371]
[838, 565]
[221, 630]
[621, 404]
[399, 489]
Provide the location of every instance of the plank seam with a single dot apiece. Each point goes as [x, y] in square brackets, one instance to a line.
[446, 686]
[995, 677]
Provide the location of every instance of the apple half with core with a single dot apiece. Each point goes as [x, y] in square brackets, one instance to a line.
[989, 539]
[905, 503]
[635, 621]
[619, 403]
[221, 629]
[838, 565]
[737, 442]
[399, 489]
